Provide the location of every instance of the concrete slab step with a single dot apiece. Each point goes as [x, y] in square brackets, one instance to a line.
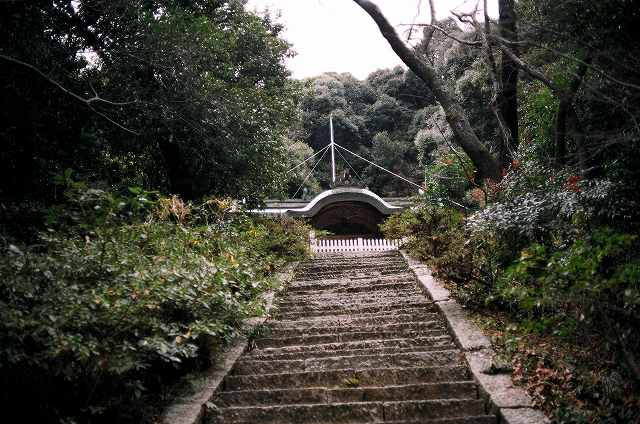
[328, 299]
[340, 272]
[366, 313]
[433, 409]
[354, 307]
[393, 360]
[361, 269]
[477, 419]
[341, 329]
[359, 311]
[350, 289]
[429, 391]
[351, 413]
[327, 284]
[407, 342]
[345, 337]
[344, 378]
[368, 319]
[353, 352]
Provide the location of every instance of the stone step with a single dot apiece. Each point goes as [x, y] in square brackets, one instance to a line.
[320, 262]
[360, 311]
[357, 271]
[353, 340]
[340, 329]
[350, 289]
[370, 313]
[341, 298]
[345, 337]
[350, 352]
[382, 319]
[363, 270]
[343, 285]
[476, 419]
[352, 412]
[457, 390]
[355, 307]
[345, 378]
[392, 360]
[412, 344]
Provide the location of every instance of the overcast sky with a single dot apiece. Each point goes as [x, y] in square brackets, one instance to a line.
[336, 35]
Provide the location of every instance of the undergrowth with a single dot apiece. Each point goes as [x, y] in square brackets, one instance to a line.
[122, 293]
[558, 260]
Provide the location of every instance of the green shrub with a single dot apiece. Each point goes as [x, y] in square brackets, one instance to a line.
[596, 280]
[449, 177]
[123, 294]
[427, 227]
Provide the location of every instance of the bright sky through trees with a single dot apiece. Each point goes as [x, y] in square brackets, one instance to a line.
[336, 35]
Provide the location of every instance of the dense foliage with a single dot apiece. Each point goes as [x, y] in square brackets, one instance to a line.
[122, 294]
[190, 97]
[553, 248]
[373, 118]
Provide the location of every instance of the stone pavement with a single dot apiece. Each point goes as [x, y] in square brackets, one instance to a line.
[354, 340]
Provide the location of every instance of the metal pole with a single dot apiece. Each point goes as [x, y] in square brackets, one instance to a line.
[333, 157]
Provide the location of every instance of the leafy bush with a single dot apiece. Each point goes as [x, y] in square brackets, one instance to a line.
[449, 177]
[427, 228]
[594, 280]
[125, 292]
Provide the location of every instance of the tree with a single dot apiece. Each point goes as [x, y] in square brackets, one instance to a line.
[210, 98]
[30, 106]
[508, 95]
[482, 158]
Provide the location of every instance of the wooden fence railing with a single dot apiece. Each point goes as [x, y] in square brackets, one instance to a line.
[352, 245]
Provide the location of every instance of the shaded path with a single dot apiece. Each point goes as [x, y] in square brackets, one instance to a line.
[355, 341]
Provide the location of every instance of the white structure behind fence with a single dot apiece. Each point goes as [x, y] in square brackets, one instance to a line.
[352, 245]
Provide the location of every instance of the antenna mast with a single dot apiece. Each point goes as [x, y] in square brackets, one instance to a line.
[333, 157]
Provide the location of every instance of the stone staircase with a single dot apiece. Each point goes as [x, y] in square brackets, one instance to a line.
[354, 341]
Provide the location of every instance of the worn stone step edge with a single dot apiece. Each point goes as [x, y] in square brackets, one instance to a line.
[341, 329]
[367, 320]
[251, 366]
[430, 308]
[190, 409]
[355, 272]
[445, 345]
[476, 419]
[345, 337]
[352, 412]
[356, 344]
[331, 298]
[360, 312]
[426, 391]
[512, 404]
[300, 284]
[348, 290]
[354, 307]
[338, 378]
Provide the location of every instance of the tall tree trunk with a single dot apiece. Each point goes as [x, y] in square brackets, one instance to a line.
[565, 107]
[180, 180]
[487, 165]
[508, 98]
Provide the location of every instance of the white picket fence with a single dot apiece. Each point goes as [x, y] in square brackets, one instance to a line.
[352, 245]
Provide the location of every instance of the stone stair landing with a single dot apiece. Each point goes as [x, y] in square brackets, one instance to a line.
[354, 341]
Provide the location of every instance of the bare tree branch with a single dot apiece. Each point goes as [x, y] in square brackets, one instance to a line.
[487, 165]
[86, 101]
[448, 35]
